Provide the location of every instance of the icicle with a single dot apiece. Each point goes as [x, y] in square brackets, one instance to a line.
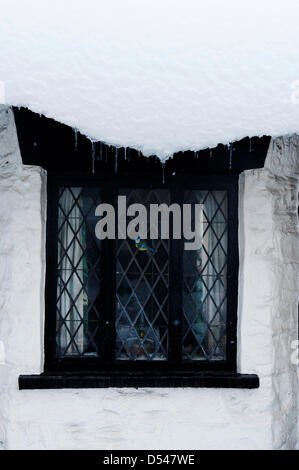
[250, 145]
[125, 150]
[99, 157]
[163, 172]
[211, 153]
[92, 154]
[76, 139]
[230, 155]
[115, 160]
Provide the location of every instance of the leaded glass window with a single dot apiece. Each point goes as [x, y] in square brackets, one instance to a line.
[142, 286]
[150, 301]
[78, 273]
[205, 271]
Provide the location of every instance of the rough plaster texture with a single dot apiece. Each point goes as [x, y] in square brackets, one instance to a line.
[155, 418]
[283, 166]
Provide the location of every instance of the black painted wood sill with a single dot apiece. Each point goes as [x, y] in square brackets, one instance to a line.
[199, 380]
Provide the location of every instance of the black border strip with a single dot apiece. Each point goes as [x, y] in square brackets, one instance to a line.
[47, 381]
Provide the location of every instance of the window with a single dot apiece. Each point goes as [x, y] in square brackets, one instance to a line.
[127, 313]
[117, 315]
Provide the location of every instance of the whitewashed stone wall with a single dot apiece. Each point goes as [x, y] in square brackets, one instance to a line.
[264, 418]
[269, 282]
[283, 166]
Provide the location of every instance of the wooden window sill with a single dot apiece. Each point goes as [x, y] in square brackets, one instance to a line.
[198, 380]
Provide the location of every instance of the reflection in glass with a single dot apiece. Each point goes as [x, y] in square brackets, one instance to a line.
[142, 289]
[78, 286]
[204, 295]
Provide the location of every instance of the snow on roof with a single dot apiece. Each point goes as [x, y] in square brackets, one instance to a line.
[157, 75]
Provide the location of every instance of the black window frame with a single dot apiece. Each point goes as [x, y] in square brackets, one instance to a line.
[107, 366]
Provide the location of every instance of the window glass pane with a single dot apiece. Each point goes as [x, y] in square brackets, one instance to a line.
[142, 281]
[204, 278]
[78, 273]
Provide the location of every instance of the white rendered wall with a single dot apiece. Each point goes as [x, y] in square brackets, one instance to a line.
[154, 418]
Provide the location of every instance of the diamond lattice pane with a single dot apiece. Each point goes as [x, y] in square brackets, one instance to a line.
[78, 273]
[142, 288]
[204, 277]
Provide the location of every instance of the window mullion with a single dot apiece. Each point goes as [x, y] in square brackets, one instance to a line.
[176, 288]
[232, 274]
[108, 300]
[51, 276]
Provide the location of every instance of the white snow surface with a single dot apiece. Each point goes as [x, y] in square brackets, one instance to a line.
[157, 75]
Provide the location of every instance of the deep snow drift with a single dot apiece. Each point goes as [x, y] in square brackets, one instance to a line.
[160, 76]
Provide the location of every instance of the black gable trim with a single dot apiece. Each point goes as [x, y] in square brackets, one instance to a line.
[57, 147]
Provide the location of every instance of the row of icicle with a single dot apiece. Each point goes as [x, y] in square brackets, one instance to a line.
[196, 154]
